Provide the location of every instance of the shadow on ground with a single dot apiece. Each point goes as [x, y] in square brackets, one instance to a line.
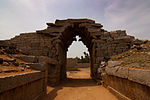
[52, 91]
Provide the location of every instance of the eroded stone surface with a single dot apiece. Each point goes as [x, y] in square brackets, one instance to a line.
[136, 75]
[53, 42]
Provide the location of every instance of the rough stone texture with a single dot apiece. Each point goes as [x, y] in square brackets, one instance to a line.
[131, 82]
[18, 87]
[24, 92]
[136, 75]
[10, 82]
[119, 95]
[37, 66]
[140, 76]
[51, 72]
[53, 42]
[71, 63]
[117, 71]
[113, 63]
[29, 58]
[130, 89]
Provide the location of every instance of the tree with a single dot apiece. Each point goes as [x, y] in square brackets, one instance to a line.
[84, 59]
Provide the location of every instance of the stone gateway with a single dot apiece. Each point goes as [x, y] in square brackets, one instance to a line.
[53, 43]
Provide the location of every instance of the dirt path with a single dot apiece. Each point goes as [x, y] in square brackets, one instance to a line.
[79, 86]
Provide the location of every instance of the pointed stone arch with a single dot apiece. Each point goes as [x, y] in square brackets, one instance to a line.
[92, 35]
[53, 42]
[64, 32]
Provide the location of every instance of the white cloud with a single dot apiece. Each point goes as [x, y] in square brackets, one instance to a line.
[22, 16]
[18, 16]
[132, 15]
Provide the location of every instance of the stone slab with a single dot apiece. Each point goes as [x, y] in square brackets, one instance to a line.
[117, 71]
[141, 76]
[12, 81]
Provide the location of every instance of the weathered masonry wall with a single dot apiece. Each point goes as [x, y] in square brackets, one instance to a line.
[53, 42]
[43, 64]
[128, 83]
[32, 44]
[43, 45]
[109, 44]
[27, 86]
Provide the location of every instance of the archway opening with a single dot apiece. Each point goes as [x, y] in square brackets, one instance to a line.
[78, 65]
[67, 37]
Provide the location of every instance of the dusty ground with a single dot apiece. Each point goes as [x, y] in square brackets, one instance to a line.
[79, 86]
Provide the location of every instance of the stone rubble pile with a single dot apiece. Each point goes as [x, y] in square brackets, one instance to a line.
[10, 64]
[13, 66]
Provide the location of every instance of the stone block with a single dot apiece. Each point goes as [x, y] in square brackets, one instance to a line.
[140, 76]
[136, 75]
[113, 63]
[117, 71]
[44, 59]
[27, 58]
[13, 81]
[37, 66]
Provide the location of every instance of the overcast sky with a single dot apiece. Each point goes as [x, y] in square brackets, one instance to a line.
[17, 16]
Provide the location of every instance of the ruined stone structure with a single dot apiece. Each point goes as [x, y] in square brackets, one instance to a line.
[54, 41]
[72, 64]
